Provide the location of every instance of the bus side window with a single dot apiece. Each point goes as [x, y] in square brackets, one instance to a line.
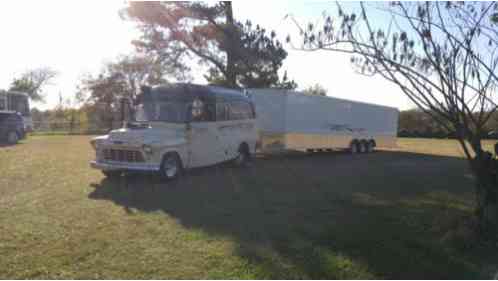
[209, 112]
[240, 110]
[3, 104]
[221, 111]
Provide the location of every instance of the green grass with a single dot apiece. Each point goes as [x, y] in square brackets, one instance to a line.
[394, 214]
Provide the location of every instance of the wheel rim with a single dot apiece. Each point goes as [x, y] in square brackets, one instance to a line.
[12, 138]
[170, 167]
[354, 148]
[370, 148]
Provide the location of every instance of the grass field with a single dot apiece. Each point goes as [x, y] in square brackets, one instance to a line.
[391, 214]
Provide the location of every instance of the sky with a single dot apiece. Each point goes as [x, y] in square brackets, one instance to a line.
[77, 37]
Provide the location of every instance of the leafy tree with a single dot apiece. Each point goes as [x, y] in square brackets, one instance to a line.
[316, 90]
[441, 55]
[122, 79]
[104, 92]
[137, 70]
[237, 54]
[33, 81]
[420, 124]
[66, 115]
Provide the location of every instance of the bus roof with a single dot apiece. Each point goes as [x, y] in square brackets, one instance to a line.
[190, 91]
[14, 93]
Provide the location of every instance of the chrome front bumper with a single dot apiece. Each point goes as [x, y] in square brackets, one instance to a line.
[111, 165]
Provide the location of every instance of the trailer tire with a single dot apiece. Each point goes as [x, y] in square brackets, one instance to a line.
[363, 146]
[371, 146]
[354, 147]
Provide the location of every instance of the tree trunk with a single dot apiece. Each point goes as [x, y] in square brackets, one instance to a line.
[110, 117]
[230, 33]
[484, 168]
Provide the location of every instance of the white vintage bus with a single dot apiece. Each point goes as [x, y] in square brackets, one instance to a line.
[13, 101]
[177, 127]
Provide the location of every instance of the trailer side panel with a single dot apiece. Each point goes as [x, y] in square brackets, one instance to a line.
[293, 121]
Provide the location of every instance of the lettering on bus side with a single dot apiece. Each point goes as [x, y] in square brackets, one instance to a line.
[344, 128]
[246, 126]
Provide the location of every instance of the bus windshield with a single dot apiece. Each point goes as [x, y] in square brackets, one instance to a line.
[165, 111]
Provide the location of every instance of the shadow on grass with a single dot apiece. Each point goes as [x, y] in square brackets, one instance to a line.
[329, 216]
[5, 144]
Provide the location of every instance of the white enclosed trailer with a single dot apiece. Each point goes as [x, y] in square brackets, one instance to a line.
[289, 120]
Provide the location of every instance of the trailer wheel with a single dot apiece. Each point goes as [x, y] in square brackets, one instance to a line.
[354, 147]
[370, 146]
[363, 146]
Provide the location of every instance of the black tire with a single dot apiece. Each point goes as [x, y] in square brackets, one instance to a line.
[354, 147]
[363, 146]
[243, 156]
[12, 137]
[371, 146]
[112, 174]
[171, 166]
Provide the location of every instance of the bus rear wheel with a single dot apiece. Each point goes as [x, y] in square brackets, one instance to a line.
[243, 156]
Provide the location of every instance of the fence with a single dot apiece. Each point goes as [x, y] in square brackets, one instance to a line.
[76, 128]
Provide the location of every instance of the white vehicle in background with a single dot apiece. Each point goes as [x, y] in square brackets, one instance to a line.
[177, 127]
[289, 120]
[13, 101]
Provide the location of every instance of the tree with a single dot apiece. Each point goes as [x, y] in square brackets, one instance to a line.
[33, 81]
[419, 124]
[104, 93]
[66, 114]
[123, 79]
[237, 54]
[316, 90]
[137, 70]
[442, 56]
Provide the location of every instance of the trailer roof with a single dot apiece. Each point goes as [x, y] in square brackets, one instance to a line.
[291, 92]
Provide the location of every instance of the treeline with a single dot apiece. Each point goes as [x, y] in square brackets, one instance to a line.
[418, 124]
[89, 118]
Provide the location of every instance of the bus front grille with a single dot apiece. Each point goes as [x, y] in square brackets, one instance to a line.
[121, 155]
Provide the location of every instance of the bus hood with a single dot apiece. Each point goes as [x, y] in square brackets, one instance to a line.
[157, 135]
